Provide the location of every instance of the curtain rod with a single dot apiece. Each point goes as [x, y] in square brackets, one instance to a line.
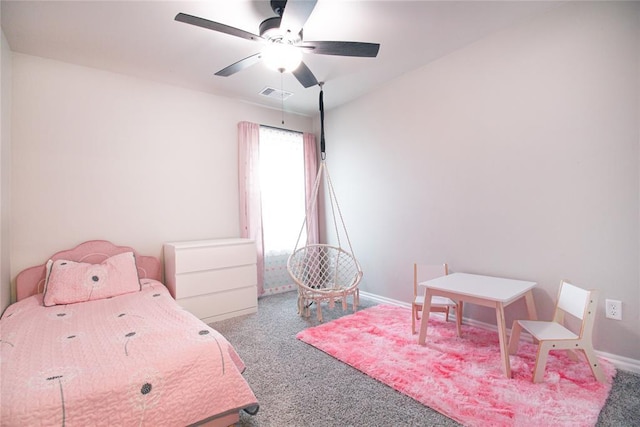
[277, 128]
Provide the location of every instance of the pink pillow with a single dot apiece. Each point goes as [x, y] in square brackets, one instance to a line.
[69, 282]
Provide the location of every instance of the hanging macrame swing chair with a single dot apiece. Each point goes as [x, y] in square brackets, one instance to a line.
[323, 272]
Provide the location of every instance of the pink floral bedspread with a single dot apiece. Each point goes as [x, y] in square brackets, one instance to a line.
[134, 359]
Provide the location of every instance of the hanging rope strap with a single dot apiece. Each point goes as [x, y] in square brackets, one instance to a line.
[322, 143]
[333, 201]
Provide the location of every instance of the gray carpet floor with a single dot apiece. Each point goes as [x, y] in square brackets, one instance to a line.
[298, 385]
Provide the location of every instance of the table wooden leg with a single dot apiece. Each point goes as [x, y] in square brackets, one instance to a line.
[426, 309]
[531, 309]
[459, 318]
[502, 336]
[531, 306]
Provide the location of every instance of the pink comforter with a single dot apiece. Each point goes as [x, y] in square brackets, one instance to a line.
[134, 359]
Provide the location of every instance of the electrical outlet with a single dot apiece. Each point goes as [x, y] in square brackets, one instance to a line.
[614, 309]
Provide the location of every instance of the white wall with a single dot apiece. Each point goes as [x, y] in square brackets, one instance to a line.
[5, 171]
[516, 156]
[98, 155]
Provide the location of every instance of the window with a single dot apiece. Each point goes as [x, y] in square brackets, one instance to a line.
[282, 185]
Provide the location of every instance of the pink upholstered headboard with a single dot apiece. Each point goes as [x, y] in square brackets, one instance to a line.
[31, 281]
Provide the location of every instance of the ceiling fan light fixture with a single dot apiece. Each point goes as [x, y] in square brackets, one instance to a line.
[282, 57]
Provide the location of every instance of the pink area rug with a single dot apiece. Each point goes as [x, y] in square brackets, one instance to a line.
[462, 377]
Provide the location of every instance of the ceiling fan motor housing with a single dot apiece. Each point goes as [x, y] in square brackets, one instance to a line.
[270, 30]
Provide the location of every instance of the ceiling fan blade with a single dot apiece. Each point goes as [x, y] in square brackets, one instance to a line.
[240, 65]
[215, 26]
[296, 14]
[366, 50]
[305, 76]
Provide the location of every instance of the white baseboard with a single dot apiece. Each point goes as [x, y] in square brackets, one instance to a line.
[620, 362]
[384, 300]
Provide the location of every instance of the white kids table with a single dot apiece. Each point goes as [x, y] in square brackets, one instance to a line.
[487, 291]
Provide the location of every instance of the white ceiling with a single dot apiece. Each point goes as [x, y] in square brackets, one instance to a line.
[141, 38]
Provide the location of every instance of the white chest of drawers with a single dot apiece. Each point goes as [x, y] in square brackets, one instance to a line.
[213, 279]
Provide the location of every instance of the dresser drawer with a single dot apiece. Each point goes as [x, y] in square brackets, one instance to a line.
[222, 305]
[212, 257]
[205, 282]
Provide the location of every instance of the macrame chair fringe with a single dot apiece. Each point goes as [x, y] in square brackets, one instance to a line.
[324, 273]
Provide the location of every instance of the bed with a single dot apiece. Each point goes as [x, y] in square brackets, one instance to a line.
[96, 339]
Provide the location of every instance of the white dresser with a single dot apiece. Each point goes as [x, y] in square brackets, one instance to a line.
[213, 279]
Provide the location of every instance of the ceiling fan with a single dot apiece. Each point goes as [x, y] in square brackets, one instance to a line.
[282, 41]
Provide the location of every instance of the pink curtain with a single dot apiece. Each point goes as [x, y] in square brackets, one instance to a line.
[249, 191]
[310, 171]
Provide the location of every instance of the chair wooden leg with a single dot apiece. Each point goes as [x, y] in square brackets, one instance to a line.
[541, 361]
[446, 315]
[515, 337]
[414, 315]
[594, 364]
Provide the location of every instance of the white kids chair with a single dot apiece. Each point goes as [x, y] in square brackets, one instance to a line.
[422, 273]
[554, 335]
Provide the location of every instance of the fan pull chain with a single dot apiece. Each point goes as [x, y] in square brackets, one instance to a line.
[282, 94]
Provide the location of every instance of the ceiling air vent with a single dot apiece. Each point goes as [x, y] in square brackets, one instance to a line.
[273, 93]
